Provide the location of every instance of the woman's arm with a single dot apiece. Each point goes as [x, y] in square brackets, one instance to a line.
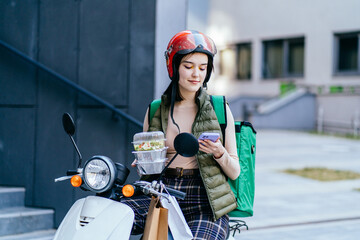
[229, 161]
[146, 121]
[225, 156]
[145, 128]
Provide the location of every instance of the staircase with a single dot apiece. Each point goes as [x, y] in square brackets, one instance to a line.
[20, 222]
[295, 110]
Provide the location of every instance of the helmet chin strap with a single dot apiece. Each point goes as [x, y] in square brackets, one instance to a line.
[173, 95]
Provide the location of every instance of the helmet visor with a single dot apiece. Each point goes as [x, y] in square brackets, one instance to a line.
[191, 41]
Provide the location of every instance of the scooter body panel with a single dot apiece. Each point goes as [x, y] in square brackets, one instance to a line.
[96, 218]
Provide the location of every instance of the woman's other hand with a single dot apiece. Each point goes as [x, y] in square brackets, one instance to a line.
[133, 164]
[216, 148]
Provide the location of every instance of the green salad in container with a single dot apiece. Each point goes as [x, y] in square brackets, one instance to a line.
[146, 141]
[148, 145]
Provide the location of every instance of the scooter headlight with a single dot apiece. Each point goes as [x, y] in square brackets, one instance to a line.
[99, 173]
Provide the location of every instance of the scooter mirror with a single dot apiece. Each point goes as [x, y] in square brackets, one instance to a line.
[68, 124]
[69, 127]
[186, 144]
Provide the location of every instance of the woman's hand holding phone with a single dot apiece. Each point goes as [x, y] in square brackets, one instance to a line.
[210, 143]
[209, 136]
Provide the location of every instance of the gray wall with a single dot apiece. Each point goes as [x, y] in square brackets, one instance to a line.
[105, 46]
[242, 106]
[339, 113]
[299, 114]
[170, 19]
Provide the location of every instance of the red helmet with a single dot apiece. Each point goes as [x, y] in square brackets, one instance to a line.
[186, 42]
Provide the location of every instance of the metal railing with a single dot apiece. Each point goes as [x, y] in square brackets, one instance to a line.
[347, 126]
[73, 85]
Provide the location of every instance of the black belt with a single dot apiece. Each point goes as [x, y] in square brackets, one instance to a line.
[179, 172]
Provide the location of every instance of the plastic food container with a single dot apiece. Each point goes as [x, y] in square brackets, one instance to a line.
[155, 167]
[145, 141]
[150, 156]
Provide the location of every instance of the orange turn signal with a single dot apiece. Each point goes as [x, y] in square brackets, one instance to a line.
[76, 181]
[128, 190]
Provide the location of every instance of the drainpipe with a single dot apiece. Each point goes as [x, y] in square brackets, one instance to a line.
[246, 113]
[320, 120]
[356, 123]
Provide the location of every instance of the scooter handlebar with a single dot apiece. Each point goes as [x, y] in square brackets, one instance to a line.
[176, 193]
[154, 188]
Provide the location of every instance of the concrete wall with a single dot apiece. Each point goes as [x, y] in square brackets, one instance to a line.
[108, 47]
[241, 107]
[298, 114]
[170, 19]
[339, 113]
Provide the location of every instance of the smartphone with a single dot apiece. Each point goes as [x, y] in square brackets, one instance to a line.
[210, 136]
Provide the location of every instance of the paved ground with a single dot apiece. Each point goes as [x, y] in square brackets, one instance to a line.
[292, 207]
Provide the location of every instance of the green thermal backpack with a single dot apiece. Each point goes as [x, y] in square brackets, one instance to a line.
[244, 186]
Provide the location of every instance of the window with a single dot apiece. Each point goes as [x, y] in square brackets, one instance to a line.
[283, 58]
[243, 70]
[296, 57]
[347, 46]
[227, 62]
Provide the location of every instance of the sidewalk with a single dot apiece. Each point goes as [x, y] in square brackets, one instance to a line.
[292, 207]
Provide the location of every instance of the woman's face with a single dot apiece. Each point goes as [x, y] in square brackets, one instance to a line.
[192, 72]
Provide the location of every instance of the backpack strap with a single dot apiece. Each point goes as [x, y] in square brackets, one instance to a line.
[153, 106]
[219, 105]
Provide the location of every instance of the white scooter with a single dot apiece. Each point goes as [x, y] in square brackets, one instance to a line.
[103, 216]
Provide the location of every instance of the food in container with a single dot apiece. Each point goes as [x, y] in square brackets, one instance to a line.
[145, 141]
[154, 167]
[148, 145]
[151, 155]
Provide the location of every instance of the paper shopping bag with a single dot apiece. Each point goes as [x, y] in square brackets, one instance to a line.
[178, 226]
[156, 226]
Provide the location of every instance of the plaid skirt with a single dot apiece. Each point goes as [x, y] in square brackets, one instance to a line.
[195, 207]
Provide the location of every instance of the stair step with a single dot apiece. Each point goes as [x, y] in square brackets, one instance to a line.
[11, 197]
[17, 220]
[37, 235]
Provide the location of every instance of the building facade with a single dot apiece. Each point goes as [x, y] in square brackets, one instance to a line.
[269, 47]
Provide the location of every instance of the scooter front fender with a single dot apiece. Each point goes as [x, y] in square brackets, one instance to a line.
[96, 218]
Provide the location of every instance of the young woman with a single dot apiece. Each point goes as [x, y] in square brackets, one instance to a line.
[186, 107]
